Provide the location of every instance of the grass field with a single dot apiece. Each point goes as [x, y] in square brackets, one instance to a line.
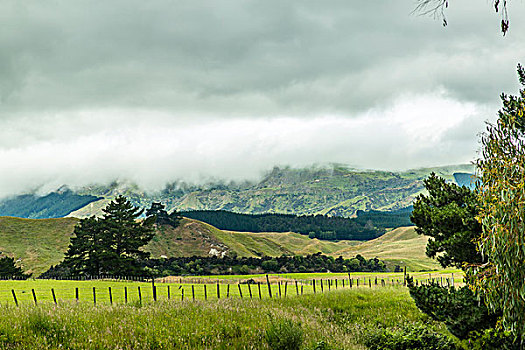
[201, 287]
[335, 320]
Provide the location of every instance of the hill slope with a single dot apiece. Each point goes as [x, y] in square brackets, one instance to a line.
[40, 243]
[53, 205]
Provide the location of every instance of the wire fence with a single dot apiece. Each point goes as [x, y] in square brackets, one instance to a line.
[128, 291]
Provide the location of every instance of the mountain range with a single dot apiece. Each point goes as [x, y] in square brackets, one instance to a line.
[334, 190]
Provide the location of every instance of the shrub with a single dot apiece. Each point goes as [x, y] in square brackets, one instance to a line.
[284, 334]
[492, 339]
[415, 337]
[459, 308]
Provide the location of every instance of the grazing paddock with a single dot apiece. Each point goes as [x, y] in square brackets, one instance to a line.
[339, 319]
[202, 287]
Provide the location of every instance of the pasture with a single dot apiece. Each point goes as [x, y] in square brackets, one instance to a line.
[203, 287]
[339, 319]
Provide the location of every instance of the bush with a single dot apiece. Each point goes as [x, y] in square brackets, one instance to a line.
[491, 339]
[284, 334]
[459, 308]
[415, 337]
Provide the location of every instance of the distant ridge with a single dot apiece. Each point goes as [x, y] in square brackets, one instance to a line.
[54, 205]
[334, 190]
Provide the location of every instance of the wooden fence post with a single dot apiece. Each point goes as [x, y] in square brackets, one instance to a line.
[228, 290]
[285, 288]
[269, 287]
[94, 296]
[14, 297]
[34, 295]
[259, 287]
[125, 295]
[169, 293]
[110, 296]
[182, 294]
[140, 295]
[296, 288]
[205, 293]
[218, 291]
[192, 293]
[322, 289]
[240, 291]
[313, 284]
[250, 290]
[76, 294]
[154, 290]
[54, 297]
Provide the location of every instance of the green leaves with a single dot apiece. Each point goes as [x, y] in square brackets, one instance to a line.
[502, 197]
[448, 215]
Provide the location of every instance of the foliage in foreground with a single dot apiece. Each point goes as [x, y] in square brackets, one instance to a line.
[458, 308]
[335, 320]
[502, 195]
[284, 335]
[410, 337]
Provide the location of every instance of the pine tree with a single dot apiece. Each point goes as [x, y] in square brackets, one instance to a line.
[111, 244]
[162, 217]
[448, 215]
[8, 269]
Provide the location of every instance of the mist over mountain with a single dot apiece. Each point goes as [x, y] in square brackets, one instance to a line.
[335, 190]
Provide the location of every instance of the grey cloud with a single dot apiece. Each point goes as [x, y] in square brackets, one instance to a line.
[246, 57]
[158, 90]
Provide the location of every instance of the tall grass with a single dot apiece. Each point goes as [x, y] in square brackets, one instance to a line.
[336, 320]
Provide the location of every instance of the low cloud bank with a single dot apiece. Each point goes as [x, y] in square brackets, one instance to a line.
[150, 149]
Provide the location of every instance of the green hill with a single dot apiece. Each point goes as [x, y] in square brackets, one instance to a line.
[53, 205]
[40, 243]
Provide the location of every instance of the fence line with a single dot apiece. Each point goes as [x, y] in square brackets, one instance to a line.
[115, 294]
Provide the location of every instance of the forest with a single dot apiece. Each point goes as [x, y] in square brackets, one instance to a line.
[367, 225]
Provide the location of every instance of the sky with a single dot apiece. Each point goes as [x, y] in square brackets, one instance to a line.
[158, 91]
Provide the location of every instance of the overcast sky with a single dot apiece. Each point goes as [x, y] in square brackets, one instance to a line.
[155, 91]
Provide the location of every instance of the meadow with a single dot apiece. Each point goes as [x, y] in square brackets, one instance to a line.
[203, 287]
[339, 319]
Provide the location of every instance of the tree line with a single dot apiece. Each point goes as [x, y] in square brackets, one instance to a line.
[367, 225]
[234, 265]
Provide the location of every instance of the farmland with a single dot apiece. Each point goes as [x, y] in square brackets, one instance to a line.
[201, 287]
[335, 319]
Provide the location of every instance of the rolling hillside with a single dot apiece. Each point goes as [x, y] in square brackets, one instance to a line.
[41, 243]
